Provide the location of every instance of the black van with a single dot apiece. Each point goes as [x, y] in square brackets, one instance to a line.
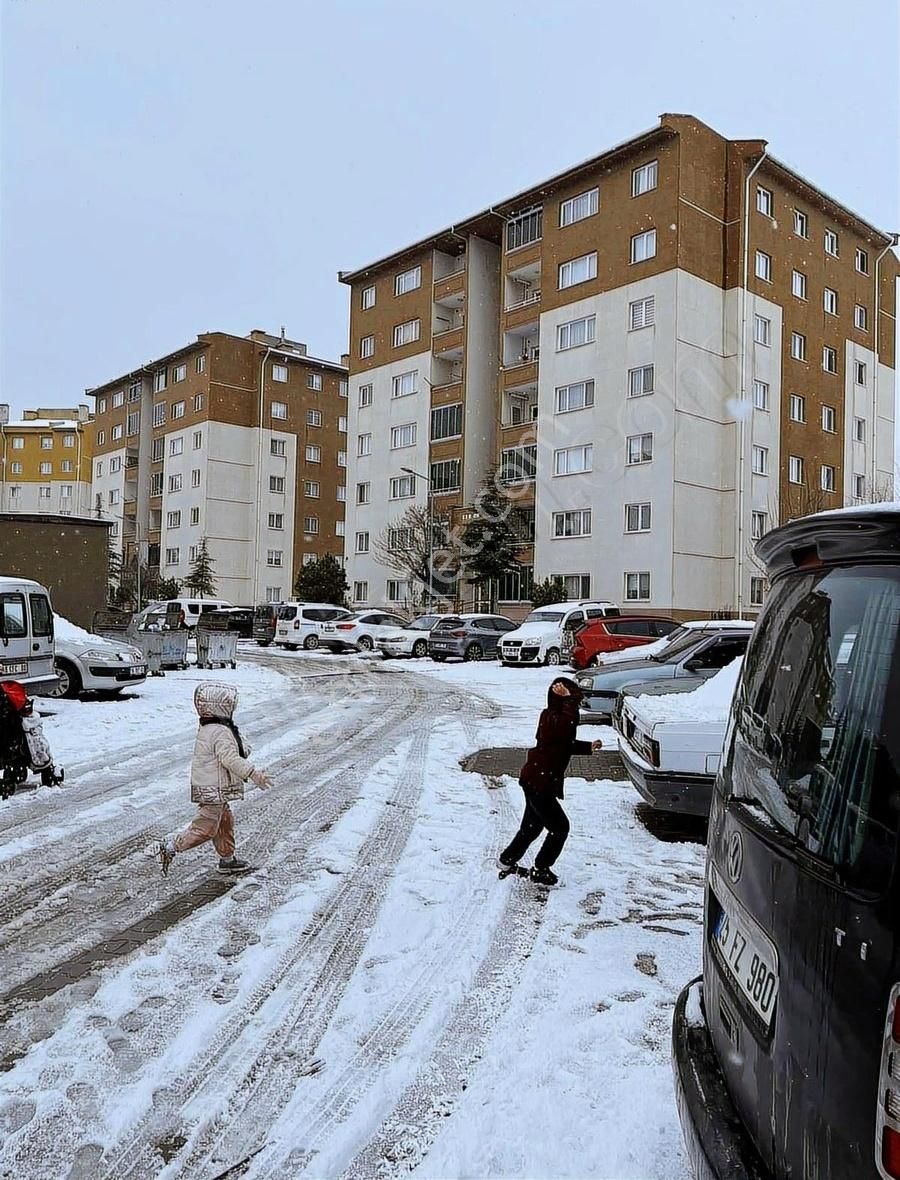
[264, 619]
[787, 1049]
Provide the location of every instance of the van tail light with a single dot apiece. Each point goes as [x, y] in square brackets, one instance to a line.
[654, 752]
[888, 1115]
[345, 626]
[296, 624]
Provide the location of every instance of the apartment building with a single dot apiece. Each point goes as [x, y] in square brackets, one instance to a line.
[241, 440]
[45, 461]
[664, 350]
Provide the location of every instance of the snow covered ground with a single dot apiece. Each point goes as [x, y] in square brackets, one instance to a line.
[373, 1000]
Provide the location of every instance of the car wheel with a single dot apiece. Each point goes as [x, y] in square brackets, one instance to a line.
[439, 659]
[420, 648]
[474, 652]
[310, 643]
[69, 680]
[289, 646]
[364, 643]
[263, 642]
[552, 658]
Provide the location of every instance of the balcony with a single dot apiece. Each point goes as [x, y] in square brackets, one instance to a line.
[519, 407]
[448, 344]
[521, 293]
[450, 284]
[521, 352]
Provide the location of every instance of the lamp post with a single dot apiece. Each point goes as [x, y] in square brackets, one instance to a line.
[430, 512]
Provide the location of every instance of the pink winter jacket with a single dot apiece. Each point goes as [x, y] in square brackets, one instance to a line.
[218, 772]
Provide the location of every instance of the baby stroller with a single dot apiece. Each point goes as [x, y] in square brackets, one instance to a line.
[23, 746]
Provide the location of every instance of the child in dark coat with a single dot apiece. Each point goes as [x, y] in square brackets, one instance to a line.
[541, 780]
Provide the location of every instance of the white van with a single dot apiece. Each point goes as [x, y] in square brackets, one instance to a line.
[541, 639]
[26, 635]
[299, 624]
[154, 616]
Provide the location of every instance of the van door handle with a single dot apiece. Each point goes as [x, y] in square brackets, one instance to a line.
[35, 647]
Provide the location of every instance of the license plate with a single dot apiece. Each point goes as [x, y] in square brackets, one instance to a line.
[328, 627]
[137, 671]
[749, 957]
[14, 669]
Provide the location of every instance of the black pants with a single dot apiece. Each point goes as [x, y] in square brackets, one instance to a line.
[541, 811]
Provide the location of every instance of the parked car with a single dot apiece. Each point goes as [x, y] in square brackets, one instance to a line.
[88, 663]
[786, 1050]
[658, 646]
[265, 621]
[410, 640]
[237, 618]
[26, 635]
[468, 636]
[193, 608]
[614, 634]
[300, 623]
[670, 736]
[542, 637]
[700, 653]
[359, 631]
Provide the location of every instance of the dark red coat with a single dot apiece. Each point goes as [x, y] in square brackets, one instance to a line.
[546, 764]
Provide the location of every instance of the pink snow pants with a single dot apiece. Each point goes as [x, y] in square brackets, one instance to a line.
[213, 821]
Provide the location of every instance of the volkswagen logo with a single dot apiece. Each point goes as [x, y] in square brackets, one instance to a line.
[735, 857]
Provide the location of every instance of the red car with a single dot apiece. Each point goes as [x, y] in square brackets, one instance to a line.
[616, 633]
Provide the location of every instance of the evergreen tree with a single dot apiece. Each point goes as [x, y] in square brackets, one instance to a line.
[549, 591]
[322, 581]
[201, 580]
[490, 543]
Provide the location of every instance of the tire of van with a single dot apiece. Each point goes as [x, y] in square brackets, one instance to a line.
[310, 643]
[552, 658]
[263, 642]
[70, 681]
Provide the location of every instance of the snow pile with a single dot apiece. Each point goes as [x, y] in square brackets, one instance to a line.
[711, 702]
[65, 630]
[641, 651]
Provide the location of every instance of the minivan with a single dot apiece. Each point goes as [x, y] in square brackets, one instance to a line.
[300, 623]
[787, 1048]
[265, 622]
[26, 635]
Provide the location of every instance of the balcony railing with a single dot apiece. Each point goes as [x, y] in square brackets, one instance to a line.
[531, 298]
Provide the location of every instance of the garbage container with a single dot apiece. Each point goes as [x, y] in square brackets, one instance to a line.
[216, 648]
[173, 653]
[114, 624]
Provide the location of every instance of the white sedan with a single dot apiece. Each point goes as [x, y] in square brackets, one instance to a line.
[410, 641]
[87, 663]
[360, 631]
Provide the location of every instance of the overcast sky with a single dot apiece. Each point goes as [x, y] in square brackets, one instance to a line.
[176, 166]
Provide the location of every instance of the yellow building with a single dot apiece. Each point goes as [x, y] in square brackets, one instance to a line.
[45, 461]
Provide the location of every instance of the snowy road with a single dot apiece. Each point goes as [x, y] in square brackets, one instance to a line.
[372, 1000]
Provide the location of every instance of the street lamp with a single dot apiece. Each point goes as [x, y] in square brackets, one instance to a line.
[429, 510]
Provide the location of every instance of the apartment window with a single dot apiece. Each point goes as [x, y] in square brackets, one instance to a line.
[311, 488]
[310, 558]
[801, 224]
[402, 487]
[762, 330]
[402, 436]
[364, 493]
[343, 387]
[68, 440]
[637, 587]
[576, 523]
[274, 558]
[173, 556]
[861, 317]
[44, 493]
[342, 459]
[576, 585]
[575, 333]
[156, 484]
[195, 516]
[133, 423]
[397, 589]
[276, 484]
[16, 468]
[406, 333]
[363, 444]
[117, 432]
[518, 464]
[101, 437]
[273, 594]
[157, 450]
[46, 442]
[763, 266]
[360, 591]
[829, 419]
[115, 464]
[516, 585]
[830, 301]
[859, 429]
[757, 591]
[862, 261]
[173, 520]
[367, 347]
[831, 243]
[796, 472]
[159, 380]
[446, 475]
[643, 246]
[826, 478]
[578, 270]
[527, 227]
[637, 518]
[578, 396]
[362, 542]
[367, 298]
[311, 524]
[645, 178]
[765, 202]
[276, 521]
[175, 482]
[279, 373]
[313, 417]
[758, 525]
[760, 460]
[859, 487]
[339, 528]
[197, 440]
[177, 410]
[798, 284]
[342, 424]
[829, 359]
[365, 396]
[200, 363]
[573, 460]
[179, 372]
[195, 477]
[860, 367]
[641, 313]
[798, 346]
[313, 454]
[114, 529]
[18, 443]
[159, 414]
[279, 410]
[580, 207]
[340, 492]
[198, 402]
[46, 468]
[101, 405]
[314, 381]
[638, 449]
[761, 395]
[797, 408]
[14, 492]
[176, 445]
[401, 539]
[408, 280]
[640, 381]
[405, 383]
[278, 446]
[446, 422]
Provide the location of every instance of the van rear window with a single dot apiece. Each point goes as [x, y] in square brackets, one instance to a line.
[287, 612]
[12, 616]
[815, 740]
